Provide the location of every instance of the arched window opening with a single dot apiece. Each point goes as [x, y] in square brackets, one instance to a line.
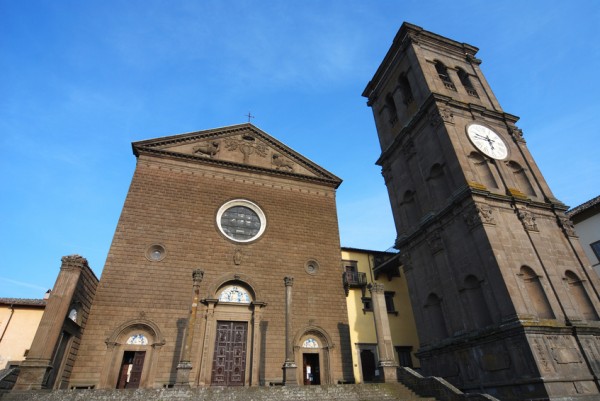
[580, 296]
[475, 300]
[436, 317]
[439, 184]
[235, 294]
[537, 295]
[405, 89]
[465, 80]
[483, 171]
[391, 106]
[443, 74]
[521, 180]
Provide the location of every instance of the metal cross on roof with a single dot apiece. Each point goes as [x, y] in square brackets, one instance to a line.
[249, 116]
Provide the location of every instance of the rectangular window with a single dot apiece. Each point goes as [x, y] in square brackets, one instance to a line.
[404, 356]
[367, 304]
[389, 301]
[596, 248]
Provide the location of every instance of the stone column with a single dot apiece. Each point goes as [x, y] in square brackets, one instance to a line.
[38, 363]
[387, 364]
[289, 367]
[185, 365]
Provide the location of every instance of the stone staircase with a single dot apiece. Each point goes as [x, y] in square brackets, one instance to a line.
[346, 392]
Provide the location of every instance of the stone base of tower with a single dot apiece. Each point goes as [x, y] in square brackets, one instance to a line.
[520, 362]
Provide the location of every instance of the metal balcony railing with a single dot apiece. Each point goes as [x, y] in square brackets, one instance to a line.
[354, 279]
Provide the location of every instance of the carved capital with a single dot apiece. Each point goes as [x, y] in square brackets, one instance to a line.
[445, 115]
[528, 219]
[376, 288]
[567, 226]
[197, 276]
[517, 134]
[435, 242]
[408, 148]
[472, 59]
[478, 214]
[289, 281]
[73, 261]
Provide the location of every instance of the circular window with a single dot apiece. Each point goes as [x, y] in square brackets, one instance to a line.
[311, 267]
[241, 220]
[156, 253]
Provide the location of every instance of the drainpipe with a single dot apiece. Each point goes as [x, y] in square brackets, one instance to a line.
[12, 312]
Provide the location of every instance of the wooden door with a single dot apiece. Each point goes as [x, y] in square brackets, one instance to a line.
[136, 369]
[130, 373]
[229, 361]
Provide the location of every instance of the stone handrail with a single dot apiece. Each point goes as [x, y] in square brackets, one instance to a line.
[437, 387]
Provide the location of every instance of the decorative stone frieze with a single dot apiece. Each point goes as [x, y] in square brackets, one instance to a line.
[281, 164]
[248, 145]
[434, 240]
[517, 134]
[443, 115]
[567, 226]
[209, 149]
[478, 214]
[527, 218]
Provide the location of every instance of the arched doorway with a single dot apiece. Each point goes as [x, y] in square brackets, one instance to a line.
[132, 353]
[231, 345]
[312, 353]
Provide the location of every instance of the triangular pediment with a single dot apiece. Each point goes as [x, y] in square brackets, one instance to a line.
[241, 146]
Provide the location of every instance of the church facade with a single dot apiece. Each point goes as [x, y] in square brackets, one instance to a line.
[224, 270]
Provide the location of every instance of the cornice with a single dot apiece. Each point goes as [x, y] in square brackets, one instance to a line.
[441, 101]
[151, 147]
[237, 166]
[412, 34]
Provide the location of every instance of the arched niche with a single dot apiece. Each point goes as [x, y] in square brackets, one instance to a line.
[536, 294]
[580, 297]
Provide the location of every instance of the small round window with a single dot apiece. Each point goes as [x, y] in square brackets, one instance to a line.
[241, 220]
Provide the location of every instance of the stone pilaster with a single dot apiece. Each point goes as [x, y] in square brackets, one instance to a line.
[387, 364]
[39, 360]
[185, 365]
[289, 366]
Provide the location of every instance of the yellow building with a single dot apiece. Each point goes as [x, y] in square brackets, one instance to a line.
[19, 320]
[361, 268]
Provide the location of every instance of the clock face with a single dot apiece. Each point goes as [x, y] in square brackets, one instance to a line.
[487, 141]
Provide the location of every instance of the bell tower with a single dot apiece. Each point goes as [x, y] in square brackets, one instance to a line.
[504, 299]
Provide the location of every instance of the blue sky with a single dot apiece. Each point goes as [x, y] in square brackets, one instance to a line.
[81, 80]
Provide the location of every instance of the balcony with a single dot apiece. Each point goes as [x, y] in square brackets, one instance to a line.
[354, 280]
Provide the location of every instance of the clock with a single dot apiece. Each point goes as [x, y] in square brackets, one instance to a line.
[487, 141]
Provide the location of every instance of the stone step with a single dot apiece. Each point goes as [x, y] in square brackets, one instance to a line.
[347, 392]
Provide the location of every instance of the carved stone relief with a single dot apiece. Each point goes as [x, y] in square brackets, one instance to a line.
[527, 218]
[208, 149]
[247, 145]
[567, 226]
[281, 164]
[540, 350]
[434, 240]
[517, 134]
[478, 214]
[237, 256]
[436, 117]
